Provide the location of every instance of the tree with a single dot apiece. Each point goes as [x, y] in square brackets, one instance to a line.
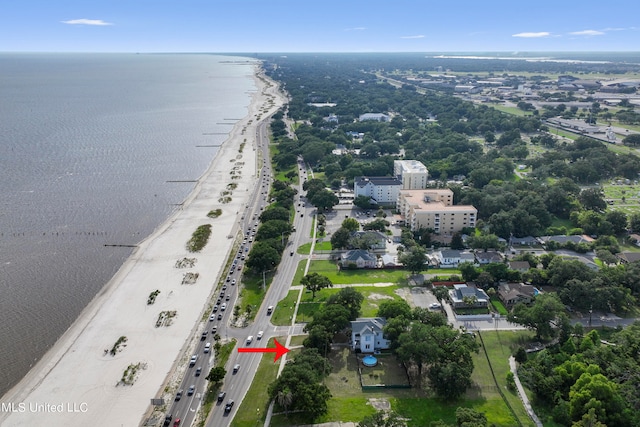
[216, 374]
[350, 224]
[349, 298]
[285, 398]
[340, 239]
[618, 220]
[363, 202]
[592, 199]
[594, 390]
[414, 259]
[275, 212]
[324, 200]
[319, 338]
[394, 308]
[315, 282]
[263, 257]
[469, 271]
[540, 315]
[456, 241]
[469, 417]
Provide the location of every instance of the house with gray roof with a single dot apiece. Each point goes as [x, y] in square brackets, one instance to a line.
[488, 257]
[460, 293]
[358, 257]
[379, 240]
[513, 293]
[378, 117]
[367, 334]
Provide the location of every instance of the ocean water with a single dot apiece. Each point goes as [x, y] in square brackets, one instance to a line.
[89, 145]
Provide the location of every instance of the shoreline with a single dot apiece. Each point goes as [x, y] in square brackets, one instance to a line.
[78, 375]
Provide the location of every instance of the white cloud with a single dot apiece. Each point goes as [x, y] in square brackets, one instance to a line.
[532, 35]
[98, 22]
[587, 33]
[419, 36]
[356, 29]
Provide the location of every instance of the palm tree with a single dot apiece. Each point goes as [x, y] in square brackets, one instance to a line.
[284, 399]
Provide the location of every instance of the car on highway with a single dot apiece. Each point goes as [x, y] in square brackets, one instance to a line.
[233, 282]
[179, 395]
[221, 396]
[228, 406]
[214, 329]
[249, 339]
[198, 371]
[192, 388]
[207, 347]
[291, 253]
[212, 318]
[223, 307]
[269, 310]
[219, 316]
[260, 334]
[236, 368]
[167, 419]
[192, 362]
[176, 423]
[204, 336]
[215, 308]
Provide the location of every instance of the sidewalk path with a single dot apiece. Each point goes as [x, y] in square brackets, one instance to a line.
[522, 394]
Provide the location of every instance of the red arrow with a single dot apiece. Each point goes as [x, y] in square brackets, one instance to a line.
[279, 350]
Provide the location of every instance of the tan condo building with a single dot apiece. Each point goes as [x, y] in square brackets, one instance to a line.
[412, 173]
[434, 208]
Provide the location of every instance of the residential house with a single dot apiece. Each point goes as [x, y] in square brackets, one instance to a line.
[488, 257]
[447, 257]
[367, 335]
[513, 293]
[359, 257]
[378, 117]
[524, 241]
[377, 239]
[460, 293]
[521, 266]
[562, 239]
[389, 261]
[627, 257]
[635, 239]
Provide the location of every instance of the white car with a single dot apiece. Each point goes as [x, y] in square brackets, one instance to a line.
[249, 339]
[435, 305]
[260, 334]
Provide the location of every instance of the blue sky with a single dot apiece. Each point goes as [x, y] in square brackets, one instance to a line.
[318, 26]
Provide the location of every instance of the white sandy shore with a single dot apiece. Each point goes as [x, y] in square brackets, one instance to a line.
[75, 383]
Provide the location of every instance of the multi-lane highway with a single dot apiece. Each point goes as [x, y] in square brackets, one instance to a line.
[237, 383]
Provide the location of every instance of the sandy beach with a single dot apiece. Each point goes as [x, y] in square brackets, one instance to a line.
[78, 381]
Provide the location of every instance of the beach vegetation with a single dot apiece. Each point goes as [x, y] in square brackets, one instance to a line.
[130, 374]
[199, 238]
[190, 278]
[117, 347]
[165, 318]
[186, 263]
[152, 297]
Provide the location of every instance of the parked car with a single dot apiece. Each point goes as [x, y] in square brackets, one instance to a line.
[435, 305]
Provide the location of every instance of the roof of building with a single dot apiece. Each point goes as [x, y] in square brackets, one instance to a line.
[368, 324]
[374, 233]
[509, 291]
[410, 165]
[450, 253]
[373, 116]
[519, 265]
[490, 256]
[564, 239]
[355, 254]
[363, 181]
[629, 256]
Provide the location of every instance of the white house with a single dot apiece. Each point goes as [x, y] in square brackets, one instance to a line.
[366, 334]
[359, 257]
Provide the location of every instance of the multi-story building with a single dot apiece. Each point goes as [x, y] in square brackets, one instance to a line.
[383, 190]
[434, 209]
[412, 173]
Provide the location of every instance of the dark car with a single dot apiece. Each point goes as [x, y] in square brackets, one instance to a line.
[179, 395]
[220, 316]
[221, 396]
[192, 388]
[228, 406]
[176, 423]
[198, 371]
[203, 336]
[167, 419]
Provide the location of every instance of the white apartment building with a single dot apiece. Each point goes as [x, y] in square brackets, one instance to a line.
[433, 208]
[412, 173]
[383, 190]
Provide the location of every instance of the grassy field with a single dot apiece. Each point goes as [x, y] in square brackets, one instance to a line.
[254, 406]
[615, 194]
[320, 246]
[511, 110]
[373, 296]
[350, 403]
[349, 277]
[283, 311]
[252, 293]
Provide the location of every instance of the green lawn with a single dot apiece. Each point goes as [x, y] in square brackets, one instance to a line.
[373, 296]
[320, 246]
[348, 277]
[252, 293]
[299, 273]
[283, 311]
[500, 308]
[254, 406]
